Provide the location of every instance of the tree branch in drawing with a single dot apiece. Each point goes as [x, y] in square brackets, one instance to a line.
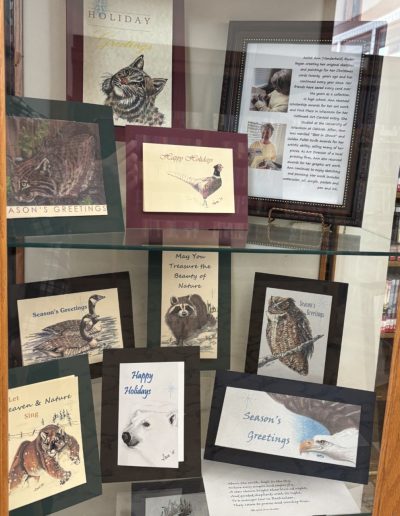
[266, 360]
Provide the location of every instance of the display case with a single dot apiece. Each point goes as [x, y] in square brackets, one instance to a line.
[192, 281]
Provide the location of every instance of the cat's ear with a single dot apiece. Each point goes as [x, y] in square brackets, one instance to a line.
[158, 86]
[138, 63]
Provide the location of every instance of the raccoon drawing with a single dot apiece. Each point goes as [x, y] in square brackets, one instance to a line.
[186, 316]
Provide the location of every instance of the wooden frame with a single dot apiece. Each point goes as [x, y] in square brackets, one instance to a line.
[3, 287]
[387, 498]
[288, 34]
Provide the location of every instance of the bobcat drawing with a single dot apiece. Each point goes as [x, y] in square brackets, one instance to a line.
[62, 169]
[132, 94]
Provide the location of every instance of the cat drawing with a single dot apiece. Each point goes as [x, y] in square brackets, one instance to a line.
[131, 93]
[63, 169]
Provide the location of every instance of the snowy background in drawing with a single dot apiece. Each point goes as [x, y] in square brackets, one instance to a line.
[64, 413]
[198, 264]
[38, 318]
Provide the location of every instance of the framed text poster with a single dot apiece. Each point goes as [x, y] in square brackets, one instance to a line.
[309, 115]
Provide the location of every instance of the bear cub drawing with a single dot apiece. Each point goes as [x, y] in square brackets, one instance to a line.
[33, 458]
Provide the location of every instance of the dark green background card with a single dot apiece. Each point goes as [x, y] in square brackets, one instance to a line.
[79, 367]
[224, 310]
[73, 112]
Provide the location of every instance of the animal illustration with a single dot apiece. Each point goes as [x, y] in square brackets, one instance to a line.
[73, 337]
[61, 170]
[149, 432]
[206, 186]
[187, 315]
[42, 455]
[132, 93]
[288, 328]
[340, 446]
[183, 508]
[340, 419]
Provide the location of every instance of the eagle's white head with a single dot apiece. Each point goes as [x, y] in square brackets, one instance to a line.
[341, 446]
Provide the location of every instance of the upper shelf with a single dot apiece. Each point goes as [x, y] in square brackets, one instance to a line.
[262, 237]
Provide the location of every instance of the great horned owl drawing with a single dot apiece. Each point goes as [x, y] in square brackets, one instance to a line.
[288, 328]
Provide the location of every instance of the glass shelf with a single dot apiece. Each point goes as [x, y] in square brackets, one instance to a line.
[292, 237]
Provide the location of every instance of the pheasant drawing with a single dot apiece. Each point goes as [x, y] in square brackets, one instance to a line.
[206, 186]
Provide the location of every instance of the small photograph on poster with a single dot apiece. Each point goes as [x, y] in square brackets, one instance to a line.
[294, 334]
[151, 414]
[68, 325]
[183, 178]
[45, 440]
[271, 89]
[186, 504]
[266, 145]
[189, 305]
[54, 169]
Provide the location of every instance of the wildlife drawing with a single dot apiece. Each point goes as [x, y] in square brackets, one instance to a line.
[205, 186]
[52, 162]
[189, 317]
[326, 429]
[90, 334]
[289, 335]
[174, 508]
[132, 94]
[41, 457]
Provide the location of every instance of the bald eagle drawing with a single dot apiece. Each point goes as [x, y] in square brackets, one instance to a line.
[340, 420]
[288, 328]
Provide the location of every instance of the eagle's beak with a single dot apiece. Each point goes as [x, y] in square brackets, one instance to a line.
[306, 446]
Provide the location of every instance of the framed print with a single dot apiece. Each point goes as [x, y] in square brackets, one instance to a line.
[150, 418]
[62, 172]
[52, 437]
[309, 114]
[131, 58]
[296, 328]
[185, 179]
[169, 498]
[293, 427]
[189, 304]
[67, 317]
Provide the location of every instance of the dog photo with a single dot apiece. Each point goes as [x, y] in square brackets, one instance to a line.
[45, 441]
[271, 90]
[150, 414]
